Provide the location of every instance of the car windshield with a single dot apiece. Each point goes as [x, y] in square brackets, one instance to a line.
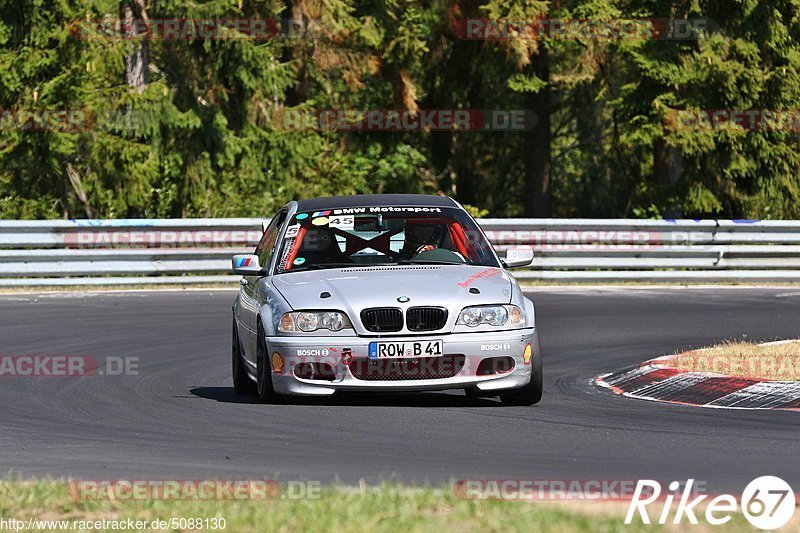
[383, 235]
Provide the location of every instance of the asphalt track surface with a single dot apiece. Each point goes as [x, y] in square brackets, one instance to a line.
[180, 419]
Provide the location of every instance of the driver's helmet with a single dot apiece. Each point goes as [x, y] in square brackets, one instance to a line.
[427, 236]
[316, 240]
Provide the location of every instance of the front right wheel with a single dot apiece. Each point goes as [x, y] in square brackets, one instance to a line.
[242, 383]
[266, 392]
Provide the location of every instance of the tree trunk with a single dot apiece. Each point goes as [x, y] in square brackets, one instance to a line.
[296, 53]
[536, 156]
[136, 62]
[666, 173]
[80, 192]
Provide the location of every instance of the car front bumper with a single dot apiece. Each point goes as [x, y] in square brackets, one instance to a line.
[352, 370]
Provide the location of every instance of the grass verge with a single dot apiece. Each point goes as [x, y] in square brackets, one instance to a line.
[771, 361]
[337, 509]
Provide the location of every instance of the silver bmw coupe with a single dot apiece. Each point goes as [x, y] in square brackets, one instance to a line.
[391, 292]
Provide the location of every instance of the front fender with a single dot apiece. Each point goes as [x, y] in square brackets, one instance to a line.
[266, 317]
[530, 313]
[272, 308]
[519, 299]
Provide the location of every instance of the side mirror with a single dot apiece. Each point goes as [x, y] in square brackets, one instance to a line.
[245, 265]
[518, 256]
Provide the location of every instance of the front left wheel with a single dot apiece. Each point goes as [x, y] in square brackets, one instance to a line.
[531, 393]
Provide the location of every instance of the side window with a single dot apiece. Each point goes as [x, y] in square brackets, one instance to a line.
[266, 246]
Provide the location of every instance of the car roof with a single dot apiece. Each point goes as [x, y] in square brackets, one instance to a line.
[369, 200]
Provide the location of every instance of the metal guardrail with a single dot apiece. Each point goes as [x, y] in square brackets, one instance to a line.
[163, 251]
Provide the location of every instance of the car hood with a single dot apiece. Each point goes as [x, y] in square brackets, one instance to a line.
[354, 289]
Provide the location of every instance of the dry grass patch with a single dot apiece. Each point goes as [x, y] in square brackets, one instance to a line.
[779, 361]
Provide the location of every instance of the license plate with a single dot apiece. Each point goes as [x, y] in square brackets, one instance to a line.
[398, 349]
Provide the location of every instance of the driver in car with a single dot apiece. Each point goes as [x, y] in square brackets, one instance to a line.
[319, 247]
[421, 238]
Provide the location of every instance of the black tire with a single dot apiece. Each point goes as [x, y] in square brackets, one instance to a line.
[242, 383]
[531, 393]
[266, 392]
[474, 392]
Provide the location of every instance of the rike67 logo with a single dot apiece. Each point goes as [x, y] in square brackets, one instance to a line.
[767, 502]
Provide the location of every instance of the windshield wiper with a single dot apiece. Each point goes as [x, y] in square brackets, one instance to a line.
[322, 266]
[427, 262]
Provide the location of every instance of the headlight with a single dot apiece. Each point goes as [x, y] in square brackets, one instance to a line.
[333, 321]
[307, 321]
[494, 315]
[471, 316]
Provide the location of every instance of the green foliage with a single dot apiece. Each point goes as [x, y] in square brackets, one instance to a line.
[476, 212]
[204, 136]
